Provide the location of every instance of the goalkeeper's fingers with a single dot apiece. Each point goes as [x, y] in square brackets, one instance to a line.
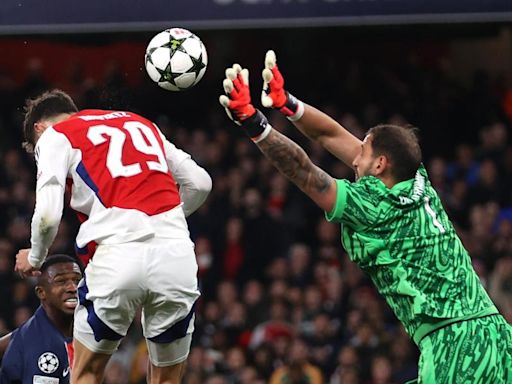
[266, 100]
[271, 73]
[224, 101]
[273, 82]
[273, 94]
[237, 100]
[270, 59]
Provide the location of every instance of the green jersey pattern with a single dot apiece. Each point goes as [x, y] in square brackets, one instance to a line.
[402, 238]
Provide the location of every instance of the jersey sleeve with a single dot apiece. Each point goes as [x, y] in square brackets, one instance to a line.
[12, 362]
[355, 205]
[173, 155]
[52, 156]
[45, 221]
[195, 183]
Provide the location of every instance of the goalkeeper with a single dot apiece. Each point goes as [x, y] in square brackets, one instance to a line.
[393, 226]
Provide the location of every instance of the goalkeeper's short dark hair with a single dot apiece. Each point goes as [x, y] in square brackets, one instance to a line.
[400, 145]
[47, 105]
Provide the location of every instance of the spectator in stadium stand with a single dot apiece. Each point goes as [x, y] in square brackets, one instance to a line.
[41, 350]
[500, 286]
[348, 365]
[297, 368]
[381, 370]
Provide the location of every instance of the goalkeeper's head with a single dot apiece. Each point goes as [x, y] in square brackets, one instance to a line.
[43, 111]
[390, 152]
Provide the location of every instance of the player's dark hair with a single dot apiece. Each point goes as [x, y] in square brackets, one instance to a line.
[47, 105]
[57, 259]
[400, 145]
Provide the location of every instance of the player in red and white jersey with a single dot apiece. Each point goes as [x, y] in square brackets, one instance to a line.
[135, 188]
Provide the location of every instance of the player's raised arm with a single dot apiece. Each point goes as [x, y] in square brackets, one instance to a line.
[52, 161]
[309, 120]
[283, 153]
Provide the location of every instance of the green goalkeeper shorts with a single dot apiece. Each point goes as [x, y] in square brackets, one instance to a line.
[477, 351]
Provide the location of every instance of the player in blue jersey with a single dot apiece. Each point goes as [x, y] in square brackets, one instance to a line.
[40, 351]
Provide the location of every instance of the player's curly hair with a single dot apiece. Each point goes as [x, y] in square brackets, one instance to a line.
[47, 105]
[400, 145]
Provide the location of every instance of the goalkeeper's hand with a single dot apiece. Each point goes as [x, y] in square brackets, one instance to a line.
[237, 103]
[274, 95]
[237, 100]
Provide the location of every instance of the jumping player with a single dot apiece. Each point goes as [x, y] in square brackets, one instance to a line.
[135, 189]
[393, 226]
[41, 350]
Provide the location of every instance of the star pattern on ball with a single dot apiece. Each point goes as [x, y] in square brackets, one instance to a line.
[174, 44]
[167, 75]
[197, 64]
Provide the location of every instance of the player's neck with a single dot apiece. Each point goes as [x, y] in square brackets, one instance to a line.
[61, 321]
[59, 118]
[388, 180]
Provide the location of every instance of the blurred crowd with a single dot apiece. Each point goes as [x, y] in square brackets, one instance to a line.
[281, 302]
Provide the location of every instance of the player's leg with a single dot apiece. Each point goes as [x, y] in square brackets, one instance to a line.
[109, 296]
[470, 351]
[167, 361]
[166, 375]
[88, 366]
[168, 313]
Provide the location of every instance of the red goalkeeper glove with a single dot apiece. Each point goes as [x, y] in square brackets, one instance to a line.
[237, 102]
[274, 95]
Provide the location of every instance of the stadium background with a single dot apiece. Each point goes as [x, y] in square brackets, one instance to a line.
[278, 289]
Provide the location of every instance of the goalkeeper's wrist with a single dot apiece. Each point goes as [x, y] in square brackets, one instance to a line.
[293, 108]
[257, 126]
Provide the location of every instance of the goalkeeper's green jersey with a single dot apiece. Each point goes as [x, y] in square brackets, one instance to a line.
[402, 238]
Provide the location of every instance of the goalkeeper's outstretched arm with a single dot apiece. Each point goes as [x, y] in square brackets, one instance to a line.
[289, 158]
[312, 122]
[320, 127]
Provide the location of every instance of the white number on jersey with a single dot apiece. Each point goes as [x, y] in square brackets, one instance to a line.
[432, 214]
[137, 131]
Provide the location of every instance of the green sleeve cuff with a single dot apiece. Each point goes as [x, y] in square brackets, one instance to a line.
[336, 213]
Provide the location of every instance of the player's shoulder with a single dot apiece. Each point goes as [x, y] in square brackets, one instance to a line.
[87, 117]
[26, 330]
[51, 136]
[370, 182]
[370, 185]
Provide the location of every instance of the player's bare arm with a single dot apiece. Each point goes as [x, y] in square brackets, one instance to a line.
[292, 161]
[312, 122]
[329, 133]
[285, 155]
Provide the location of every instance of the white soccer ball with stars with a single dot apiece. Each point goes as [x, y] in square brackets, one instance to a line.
[176, 59]
[48, 362]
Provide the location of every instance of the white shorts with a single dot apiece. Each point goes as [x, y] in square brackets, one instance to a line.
[158, 275]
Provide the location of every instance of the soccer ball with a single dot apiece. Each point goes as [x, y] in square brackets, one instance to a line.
[176, 59]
